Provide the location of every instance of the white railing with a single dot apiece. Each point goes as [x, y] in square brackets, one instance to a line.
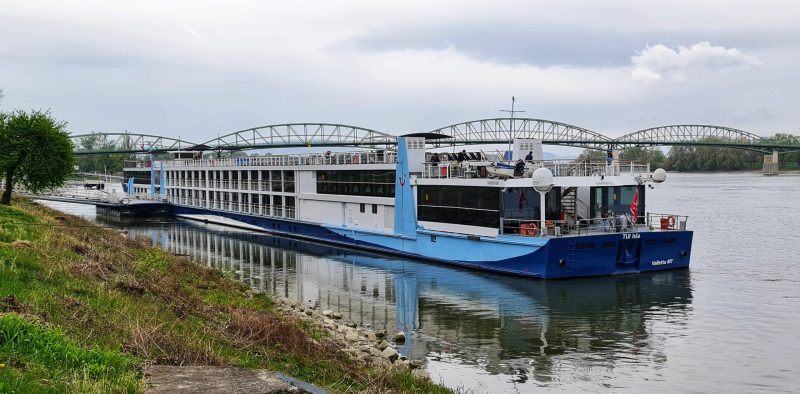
[280, 211]
[483, 169]
[611, 224]
[94, 195]
[330, 158]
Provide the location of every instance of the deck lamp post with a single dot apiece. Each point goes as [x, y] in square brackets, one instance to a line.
[542, 182]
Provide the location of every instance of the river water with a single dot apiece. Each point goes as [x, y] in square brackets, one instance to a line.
[731, 323]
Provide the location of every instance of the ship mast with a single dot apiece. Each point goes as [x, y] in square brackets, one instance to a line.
[511, 124]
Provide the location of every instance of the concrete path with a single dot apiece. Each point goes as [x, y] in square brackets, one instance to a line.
[228, 380]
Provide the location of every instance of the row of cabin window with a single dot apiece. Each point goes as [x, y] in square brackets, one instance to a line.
[357, 176]
[225, 197]
[266, 175]
[462, 196]
[370, 183]
[469, 206]
[356, 189]
[364, 208]
[251, 175]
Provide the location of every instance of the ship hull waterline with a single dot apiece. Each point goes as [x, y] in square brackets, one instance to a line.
[534, 257]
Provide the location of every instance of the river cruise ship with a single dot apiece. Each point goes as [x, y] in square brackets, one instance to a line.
[530, 217]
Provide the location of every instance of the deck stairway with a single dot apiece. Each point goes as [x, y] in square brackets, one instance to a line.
[569, 205]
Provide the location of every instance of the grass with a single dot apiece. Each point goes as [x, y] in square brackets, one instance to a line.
[84, 310]
[42, 360]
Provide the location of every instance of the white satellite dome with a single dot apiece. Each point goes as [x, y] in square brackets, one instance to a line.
[542, 179]
[659, 175]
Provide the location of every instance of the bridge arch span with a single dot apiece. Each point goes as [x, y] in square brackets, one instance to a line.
[496, 131]
[692, 135]
[127, 143]
[290, 135]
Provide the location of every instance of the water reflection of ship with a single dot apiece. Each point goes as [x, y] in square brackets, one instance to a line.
[505, 324]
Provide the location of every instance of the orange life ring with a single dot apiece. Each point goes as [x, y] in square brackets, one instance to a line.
[549, 224]
[529, 229]
[671, 222]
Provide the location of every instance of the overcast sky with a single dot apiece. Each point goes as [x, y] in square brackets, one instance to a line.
[196, 69]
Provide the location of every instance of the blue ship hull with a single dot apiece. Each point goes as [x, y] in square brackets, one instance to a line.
[538, 257]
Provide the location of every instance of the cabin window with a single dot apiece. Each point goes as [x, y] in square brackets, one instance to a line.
[277, 183]
[288, 181]
[375, 208]
[470, 206]
[372, 183]
[290, 207]
[363, 207]
[524, 204]
[139, 177]
[616, 199]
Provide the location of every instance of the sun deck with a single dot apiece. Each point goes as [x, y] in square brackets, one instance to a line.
[308, 159]
[559, 168]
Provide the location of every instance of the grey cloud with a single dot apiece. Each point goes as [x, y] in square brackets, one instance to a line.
[545, 45]
[72, 56]
[98, 80]
[30, 41]
[659, 61]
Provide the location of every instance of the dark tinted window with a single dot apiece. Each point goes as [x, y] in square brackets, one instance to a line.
[374, 183]
[471, 206]
[138, 176]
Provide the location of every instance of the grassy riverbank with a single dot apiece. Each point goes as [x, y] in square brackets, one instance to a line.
[84, 310]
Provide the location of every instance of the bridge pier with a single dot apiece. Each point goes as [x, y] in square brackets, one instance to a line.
[771, 164]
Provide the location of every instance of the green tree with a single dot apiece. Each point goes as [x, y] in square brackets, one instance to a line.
[791, 159]
[654, 156]
[36, 151]
[592, 155]
[103, 163]
[711, 158]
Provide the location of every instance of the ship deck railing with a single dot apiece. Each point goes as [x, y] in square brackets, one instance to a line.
[595, 226]
[256, 209]
[479, 169]
[306, 159]
[81, 193]
[284, 186]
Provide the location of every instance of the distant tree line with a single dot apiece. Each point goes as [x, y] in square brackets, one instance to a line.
[103, 163]
[704, 158]
[654, 156]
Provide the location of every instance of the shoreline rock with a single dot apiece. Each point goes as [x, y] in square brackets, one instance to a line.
[361, 344]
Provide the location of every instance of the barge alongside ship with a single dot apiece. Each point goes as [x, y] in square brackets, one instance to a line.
[460, 210]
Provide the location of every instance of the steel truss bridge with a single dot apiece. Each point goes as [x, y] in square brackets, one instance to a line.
[103, 143]
[484, 131]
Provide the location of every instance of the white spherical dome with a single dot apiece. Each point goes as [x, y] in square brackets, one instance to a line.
[542, 179]
[659, 175]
